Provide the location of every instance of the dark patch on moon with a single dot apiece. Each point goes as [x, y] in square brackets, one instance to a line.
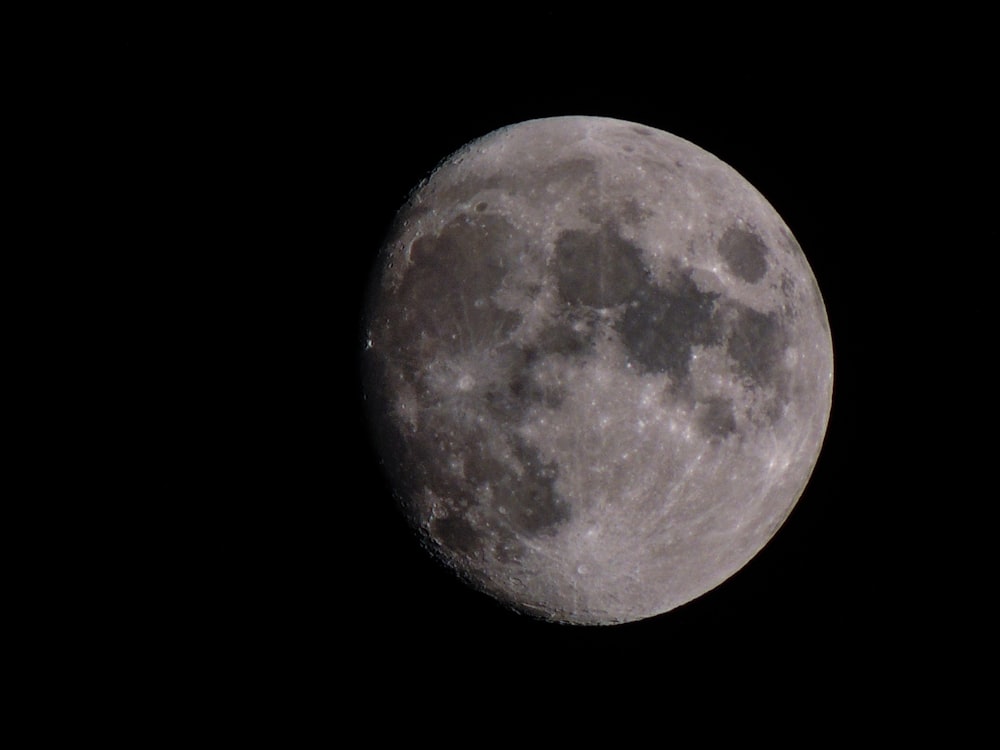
[633, 213]
[517, 386]
[503, 403]
[757, 345]
[527, 388]
[482, 206]
[481, 465]
[599, 269]
[744, 253]
[660, 326]
[522, 495]
[574, 171]
[456, 533]
[447, 290]
[527, 499]
[461, 190]
[716, 417]
[566, 339]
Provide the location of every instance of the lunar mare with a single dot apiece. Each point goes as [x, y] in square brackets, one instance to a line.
[599, 368]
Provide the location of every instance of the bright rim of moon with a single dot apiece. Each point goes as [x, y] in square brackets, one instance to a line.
[599, 368]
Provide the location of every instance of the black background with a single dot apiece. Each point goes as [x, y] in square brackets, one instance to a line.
[222, 553]
[296, 142]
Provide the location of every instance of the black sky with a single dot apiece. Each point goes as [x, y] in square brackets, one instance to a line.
[314, 131]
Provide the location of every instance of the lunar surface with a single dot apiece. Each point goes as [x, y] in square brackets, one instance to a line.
[598, 366]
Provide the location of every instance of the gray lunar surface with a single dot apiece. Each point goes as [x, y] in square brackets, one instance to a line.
[599, 368]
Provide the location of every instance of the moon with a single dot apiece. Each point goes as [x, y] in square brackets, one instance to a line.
[598, 366]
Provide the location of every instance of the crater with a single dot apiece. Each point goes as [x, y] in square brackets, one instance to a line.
[787, 285]
[599, 269]
[744, 253]
[660, 326]
[789, 306]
